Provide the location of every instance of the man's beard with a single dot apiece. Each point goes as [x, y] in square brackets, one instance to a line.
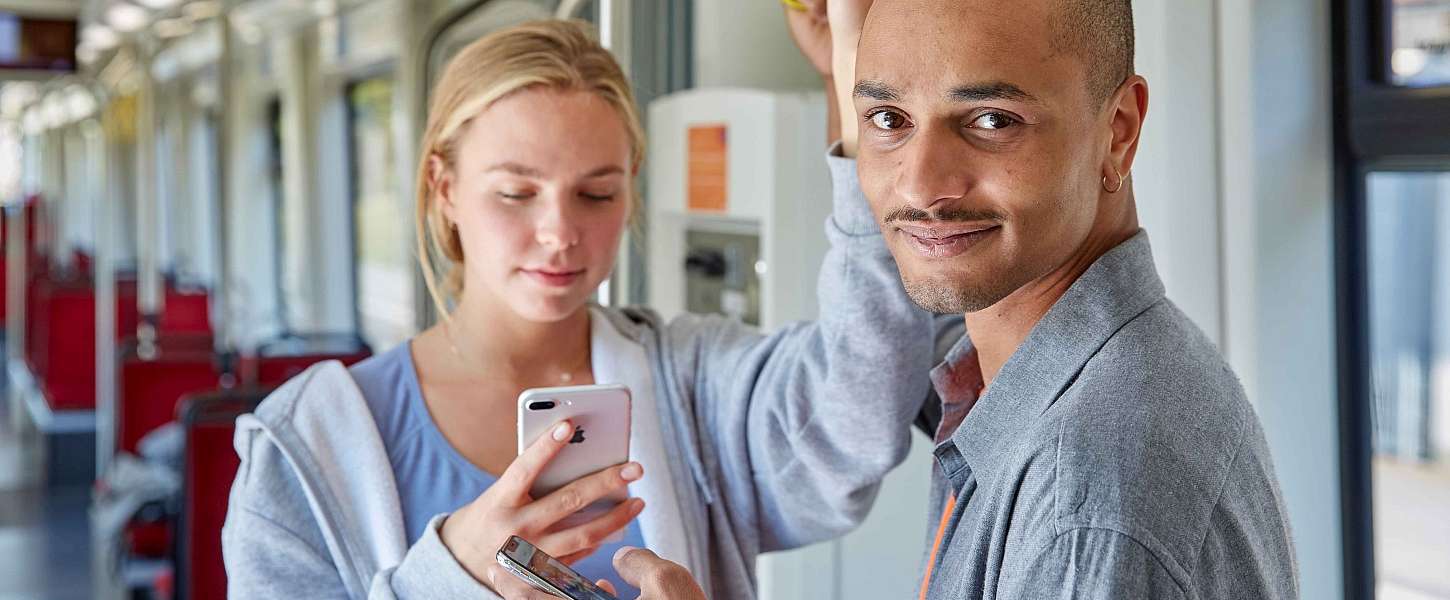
[951, 297]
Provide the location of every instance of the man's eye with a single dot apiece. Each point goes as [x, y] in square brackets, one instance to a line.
[992, 121]
[888, 120]
[515, 195]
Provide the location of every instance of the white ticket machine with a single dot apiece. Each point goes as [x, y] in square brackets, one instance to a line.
[738, 195]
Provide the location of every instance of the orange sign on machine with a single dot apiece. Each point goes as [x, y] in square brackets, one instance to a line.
[708, 147]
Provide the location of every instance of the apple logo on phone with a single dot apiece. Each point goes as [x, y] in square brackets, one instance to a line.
[578, 435]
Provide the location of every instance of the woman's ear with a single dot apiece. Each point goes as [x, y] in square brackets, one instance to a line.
[440, 180]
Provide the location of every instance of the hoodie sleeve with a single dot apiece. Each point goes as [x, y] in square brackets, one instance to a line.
[274, 548]
[798, 427]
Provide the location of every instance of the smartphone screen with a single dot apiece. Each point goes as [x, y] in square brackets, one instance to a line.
[545, 572]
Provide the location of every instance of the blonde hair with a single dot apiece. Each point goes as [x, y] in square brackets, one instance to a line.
[553, 54]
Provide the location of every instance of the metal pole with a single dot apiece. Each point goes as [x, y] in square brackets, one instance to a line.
[105, 275]
[149, 284]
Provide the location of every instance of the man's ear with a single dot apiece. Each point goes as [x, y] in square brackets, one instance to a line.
[440, 181]
[1129, 107]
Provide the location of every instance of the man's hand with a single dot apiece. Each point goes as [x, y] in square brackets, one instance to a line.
[846, 18]
[656, 578]
[812, 34]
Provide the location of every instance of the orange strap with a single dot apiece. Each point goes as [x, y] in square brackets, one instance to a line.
[941, 530]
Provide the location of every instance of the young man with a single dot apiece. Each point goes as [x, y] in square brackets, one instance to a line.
[1092, 442]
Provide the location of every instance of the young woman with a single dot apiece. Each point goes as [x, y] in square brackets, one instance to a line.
[398, 477]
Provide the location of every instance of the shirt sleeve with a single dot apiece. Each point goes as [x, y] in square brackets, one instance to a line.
[798, 427]
[1088, 564]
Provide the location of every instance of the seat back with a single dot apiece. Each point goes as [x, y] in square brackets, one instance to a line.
[209, 467]
[151, 387]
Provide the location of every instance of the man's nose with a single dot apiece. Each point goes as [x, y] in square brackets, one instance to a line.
[934, 170]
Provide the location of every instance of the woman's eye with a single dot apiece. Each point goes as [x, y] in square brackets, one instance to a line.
[515, 195]
[992, 121]
[598, 197]
[888, 120]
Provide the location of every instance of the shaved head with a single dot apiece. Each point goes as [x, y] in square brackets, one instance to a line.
[1100, 34]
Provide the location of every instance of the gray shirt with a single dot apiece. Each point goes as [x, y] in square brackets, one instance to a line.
[1113, 456]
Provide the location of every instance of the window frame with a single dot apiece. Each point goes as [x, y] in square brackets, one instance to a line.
[351, 80]
[1378, 126]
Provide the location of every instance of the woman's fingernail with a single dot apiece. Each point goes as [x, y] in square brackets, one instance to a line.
[562, 431]
[638, 505]
[631, 472]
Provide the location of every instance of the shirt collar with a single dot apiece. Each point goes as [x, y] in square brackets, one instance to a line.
[1119, 286]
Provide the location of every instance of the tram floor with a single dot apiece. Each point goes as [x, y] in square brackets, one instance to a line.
[44, 536]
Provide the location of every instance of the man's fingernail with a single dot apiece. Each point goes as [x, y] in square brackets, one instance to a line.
[561, 431]
[631, 472]
[623, 550]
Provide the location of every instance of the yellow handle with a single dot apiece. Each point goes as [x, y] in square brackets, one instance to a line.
[793, 4]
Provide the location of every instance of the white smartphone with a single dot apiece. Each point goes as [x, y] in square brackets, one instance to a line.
[601, 417]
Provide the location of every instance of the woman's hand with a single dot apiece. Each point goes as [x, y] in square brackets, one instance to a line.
[656, 578]
[474, 533]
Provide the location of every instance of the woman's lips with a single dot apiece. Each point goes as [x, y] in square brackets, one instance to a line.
[554, 277]
[948, 241]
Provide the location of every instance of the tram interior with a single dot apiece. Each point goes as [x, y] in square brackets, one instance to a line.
[202, 198]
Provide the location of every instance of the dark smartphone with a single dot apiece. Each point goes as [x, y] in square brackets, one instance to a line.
[546, 573]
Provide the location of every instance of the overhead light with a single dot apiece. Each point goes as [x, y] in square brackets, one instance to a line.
[53, 110]
[159, 4]
[79, 103]
[87, 53]
[172, 28]
[126, 18]
[324, 8]
[99, 37]
[202, 10]
[14, 97]
[1408, 62]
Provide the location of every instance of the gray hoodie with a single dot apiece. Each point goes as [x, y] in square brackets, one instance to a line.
[777, 441]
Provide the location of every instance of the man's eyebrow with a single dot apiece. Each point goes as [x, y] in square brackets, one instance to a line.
[995, 90]
[876, 90]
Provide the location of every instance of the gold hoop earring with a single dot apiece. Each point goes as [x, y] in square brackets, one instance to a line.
[1121, 177]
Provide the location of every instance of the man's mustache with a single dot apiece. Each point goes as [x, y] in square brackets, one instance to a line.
[910, 214]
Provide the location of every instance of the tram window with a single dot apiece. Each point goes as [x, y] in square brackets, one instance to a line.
[1420, 48]
[382, 257]
[1408, 222]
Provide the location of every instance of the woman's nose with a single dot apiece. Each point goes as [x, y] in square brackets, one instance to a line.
[556, 230]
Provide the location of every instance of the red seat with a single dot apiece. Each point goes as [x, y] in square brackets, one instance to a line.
[61, 339]
[150, 389]
[209, 468]
[285, 358]
[151, 540]
[186, 313]
[276, 370]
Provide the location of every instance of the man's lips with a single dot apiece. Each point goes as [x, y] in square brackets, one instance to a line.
[946, 240]
[942, 231]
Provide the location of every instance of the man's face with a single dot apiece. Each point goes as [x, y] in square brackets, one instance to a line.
[981, 150]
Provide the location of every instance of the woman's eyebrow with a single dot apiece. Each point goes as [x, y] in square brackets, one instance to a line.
[515, 169]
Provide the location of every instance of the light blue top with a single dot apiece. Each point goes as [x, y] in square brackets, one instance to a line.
[433, 478]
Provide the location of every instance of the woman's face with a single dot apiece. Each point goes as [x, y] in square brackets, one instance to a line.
[540, 191]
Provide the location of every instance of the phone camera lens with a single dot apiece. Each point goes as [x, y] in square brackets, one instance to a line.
[542, 405]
